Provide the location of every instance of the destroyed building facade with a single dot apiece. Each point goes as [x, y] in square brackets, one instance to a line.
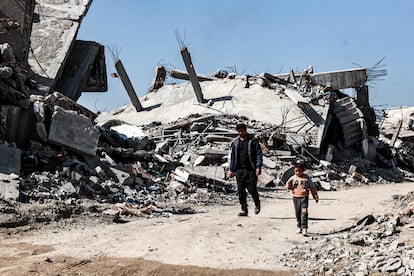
[175, 139]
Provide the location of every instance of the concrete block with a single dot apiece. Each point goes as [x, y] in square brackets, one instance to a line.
[268, 163]
[214, 172]
[213, 155]
[129, 131]
[84, 70]
[218, 138]
[60, 21]
[185, 159]
[181, 175]
[341, 79]
[74, 131]
[110, 215]
[265, 180]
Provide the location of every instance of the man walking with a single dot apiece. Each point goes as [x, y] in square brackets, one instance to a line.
[246, 164]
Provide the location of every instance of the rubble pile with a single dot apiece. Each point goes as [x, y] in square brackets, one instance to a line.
[157, 168]
[381, 244]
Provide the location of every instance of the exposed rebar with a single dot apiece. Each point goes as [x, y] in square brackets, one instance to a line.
[180, 41]
[376, 72]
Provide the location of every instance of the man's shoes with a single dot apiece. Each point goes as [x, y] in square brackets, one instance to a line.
[242, 214]
[299, 231]
[305, 232]
[257, 210]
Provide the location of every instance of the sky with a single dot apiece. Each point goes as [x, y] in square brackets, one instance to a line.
[252, 37]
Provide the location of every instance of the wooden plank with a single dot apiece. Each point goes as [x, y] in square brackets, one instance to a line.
[192, 74]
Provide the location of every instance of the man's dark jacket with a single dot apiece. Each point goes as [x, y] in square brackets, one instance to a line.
[254, 152]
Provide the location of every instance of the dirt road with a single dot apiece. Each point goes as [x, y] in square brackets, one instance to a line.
[214, 238]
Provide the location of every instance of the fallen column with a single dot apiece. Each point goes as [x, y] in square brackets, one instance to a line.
[128, 85]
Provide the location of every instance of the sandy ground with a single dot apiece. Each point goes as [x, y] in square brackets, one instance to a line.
[212, 242]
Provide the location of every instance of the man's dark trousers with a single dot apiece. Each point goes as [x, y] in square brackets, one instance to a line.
[247, 179]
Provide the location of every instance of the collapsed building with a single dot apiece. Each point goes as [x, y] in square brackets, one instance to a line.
[305, 113]
[171, 144]
[42, 62]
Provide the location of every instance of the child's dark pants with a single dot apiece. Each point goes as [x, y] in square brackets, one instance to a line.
[301, 211]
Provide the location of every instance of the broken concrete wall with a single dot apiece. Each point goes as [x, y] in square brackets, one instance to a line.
[69, 129]
[85, 70]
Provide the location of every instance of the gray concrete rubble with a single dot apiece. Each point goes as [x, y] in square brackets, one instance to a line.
[172, 152]
[10, 160]
[39, 50]
[378, 244]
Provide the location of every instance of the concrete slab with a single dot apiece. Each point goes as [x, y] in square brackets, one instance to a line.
[10, 160]
[55, 25]
[9, 186]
